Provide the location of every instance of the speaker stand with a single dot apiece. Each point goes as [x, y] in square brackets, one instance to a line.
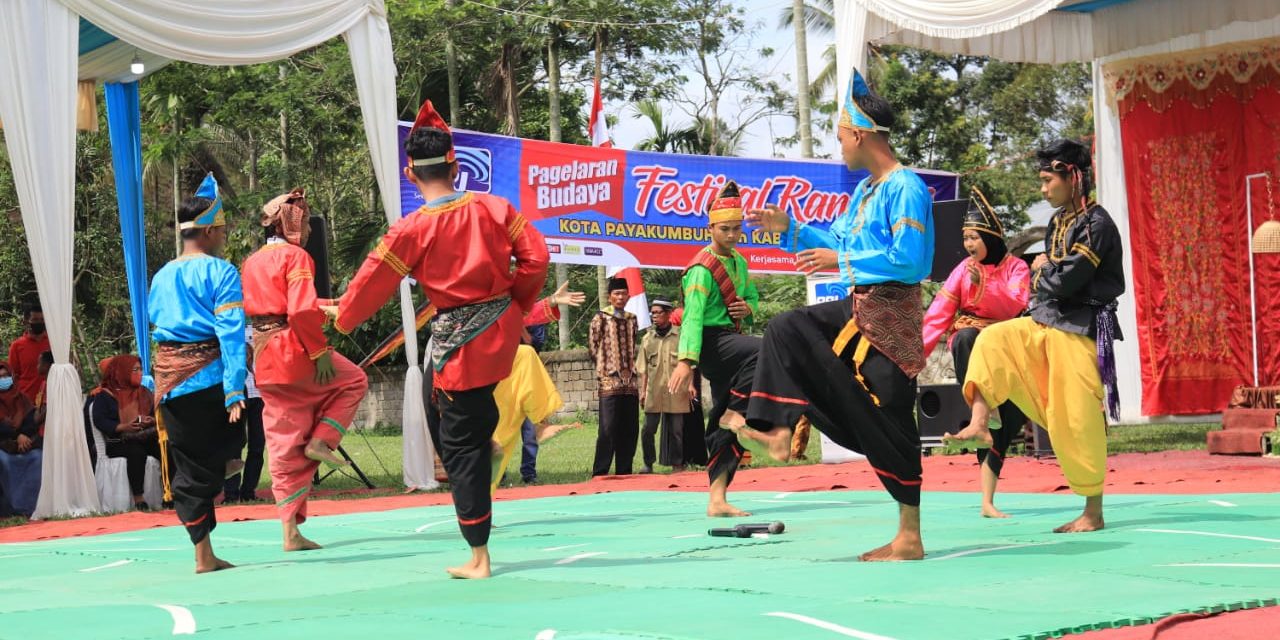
[354, 467]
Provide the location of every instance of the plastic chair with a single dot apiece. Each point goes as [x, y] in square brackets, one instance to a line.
[112, 478]
[110, 474]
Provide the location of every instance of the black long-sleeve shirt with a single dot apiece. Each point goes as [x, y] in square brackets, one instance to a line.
[1085, 271]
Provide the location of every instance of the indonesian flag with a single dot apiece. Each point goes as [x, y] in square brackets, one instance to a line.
[638, 304]
[597, 125]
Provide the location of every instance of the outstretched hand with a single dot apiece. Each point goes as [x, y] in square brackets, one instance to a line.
[564, 296]
[770, 218]
[330, 310]
[811, 261]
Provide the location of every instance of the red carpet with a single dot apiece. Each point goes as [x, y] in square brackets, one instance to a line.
[1189, 472]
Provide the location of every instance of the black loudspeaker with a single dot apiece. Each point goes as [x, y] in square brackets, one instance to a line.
[948, 237]
[940, 408]
[318, 247]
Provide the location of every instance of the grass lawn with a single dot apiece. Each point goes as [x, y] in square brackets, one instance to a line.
[567, 459]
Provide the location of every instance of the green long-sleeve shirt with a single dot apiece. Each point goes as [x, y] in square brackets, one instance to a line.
[705, 307]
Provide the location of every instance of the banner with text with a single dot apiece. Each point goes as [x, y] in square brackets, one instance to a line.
[636, 208]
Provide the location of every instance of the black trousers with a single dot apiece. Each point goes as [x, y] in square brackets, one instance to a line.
[135, 454]
[616, 439]
[201, 441]
[670, 449]
[728, 361]
[1011, 418]
[465, 422]
[244, 485]
[799, 374]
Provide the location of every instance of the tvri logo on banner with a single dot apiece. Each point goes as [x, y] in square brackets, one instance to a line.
[615, 207]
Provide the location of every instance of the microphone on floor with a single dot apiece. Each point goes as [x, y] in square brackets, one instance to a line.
[747, 530]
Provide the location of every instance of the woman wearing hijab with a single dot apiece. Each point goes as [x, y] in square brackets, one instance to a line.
[20, 452]
[987, 287]
[124, 412]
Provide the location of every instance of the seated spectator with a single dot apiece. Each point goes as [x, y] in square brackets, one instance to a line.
[20, 448]
[124, 412]
[46, 362]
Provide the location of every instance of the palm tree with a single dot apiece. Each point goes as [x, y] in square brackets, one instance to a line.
[819, 18]
[664, 138]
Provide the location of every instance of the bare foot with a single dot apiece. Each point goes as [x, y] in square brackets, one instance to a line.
[476, 569]
[725, 510]
[218, 564]
[544, 433]
[901, 549]
[1085, 523]
[300, 543]
[233, 467]
[777, 440]
[990, 511]
[319, 451]
[976, 435]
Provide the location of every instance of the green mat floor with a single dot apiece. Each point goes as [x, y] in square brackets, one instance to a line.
[639, 565]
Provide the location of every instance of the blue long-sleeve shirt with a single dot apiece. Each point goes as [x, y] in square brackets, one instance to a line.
[885, 236]
[197, 298]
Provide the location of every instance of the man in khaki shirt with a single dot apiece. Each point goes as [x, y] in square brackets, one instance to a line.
[655, 360]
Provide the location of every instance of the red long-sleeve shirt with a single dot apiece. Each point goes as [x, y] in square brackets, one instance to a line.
[460, 252]
[24, 360]
[279, 280]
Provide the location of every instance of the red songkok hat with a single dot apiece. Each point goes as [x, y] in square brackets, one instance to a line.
[429, 117]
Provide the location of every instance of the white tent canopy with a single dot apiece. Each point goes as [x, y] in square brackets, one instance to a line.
[1057, 31]
[38, 69]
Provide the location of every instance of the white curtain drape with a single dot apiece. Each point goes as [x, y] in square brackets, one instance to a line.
[38, 46]
[38, 42]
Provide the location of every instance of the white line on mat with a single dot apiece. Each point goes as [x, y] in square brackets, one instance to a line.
[430, 525]
[546, 634]
[1209, 534]
[21, 555]
[117, 563]
[782, 495]
[804, 501]
[689, 535]
[567, 546]
[1240, 565]
[1222, 503]
[184, 624]
[581, 556]
[829, 626]
[971, 552]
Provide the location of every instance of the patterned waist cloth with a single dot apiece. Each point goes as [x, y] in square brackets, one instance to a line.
[263, 328]
[175, 362]
[890, 317]
[452, 328]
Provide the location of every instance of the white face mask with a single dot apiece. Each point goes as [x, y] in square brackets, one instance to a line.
[6, 383]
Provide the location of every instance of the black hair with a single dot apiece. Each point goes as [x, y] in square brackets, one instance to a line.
[190, 210]
[429, 142]
[30, 308]
[1070, 152]
[46, 357]
[878, 109]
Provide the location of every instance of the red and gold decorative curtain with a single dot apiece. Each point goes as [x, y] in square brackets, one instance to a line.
[1193, 126]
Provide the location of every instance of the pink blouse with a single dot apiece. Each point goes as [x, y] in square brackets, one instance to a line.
[1001, 293]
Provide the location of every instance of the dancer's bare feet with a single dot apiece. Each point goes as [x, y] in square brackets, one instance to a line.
[990, 511]
[722, 509]
[295, 541]
[975, 436]
[1090, 520]
[476, 569]
[206, 562]
[234, 467]
[319, 451]
[544, 432]
[907, 545]
[777, 440]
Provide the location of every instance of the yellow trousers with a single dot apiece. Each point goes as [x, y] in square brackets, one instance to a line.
[1052, 376]
[527, 393]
